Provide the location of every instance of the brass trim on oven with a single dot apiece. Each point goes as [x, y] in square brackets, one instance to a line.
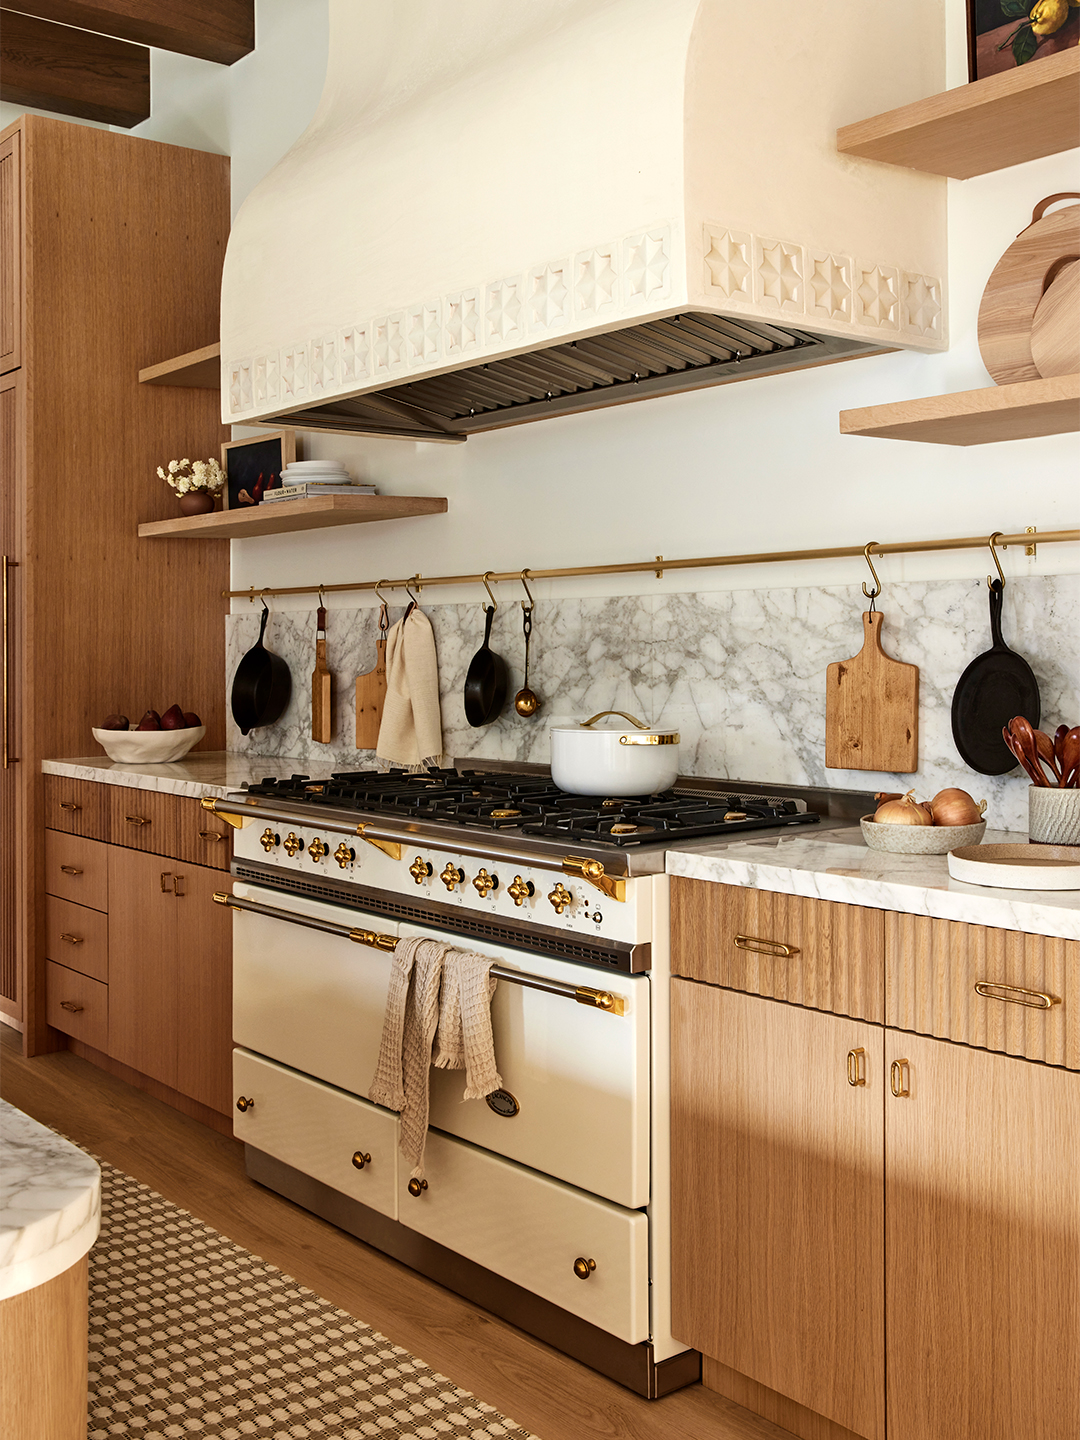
[592, 871]
[388, 847]
[209, 802]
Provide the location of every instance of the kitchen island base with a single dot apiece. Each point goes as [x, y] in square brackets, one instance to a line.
[43, 1358]
[629, 1365]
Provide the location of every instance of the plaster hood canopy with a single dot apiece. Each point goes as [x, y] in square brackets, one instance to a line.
[504, 211]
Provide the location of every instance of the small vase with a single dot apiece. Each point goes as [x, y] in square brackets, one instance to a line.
[1053, 816]
[196, 502]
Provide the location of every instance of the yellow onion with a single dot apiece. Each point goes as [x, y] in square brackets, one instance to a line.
[956, 807]
[905, 811]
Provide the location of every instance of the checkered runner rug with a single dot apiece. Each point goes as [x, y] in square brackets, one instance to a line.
[192, 1336]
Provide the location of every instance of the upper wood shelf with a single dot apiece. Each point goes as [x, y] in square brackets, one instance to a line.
[281, 516]
[975, 417]
[198, 370]
[1019, 115]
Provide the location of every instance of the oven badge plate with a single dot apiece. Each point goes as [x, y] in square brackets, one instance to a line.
[503, 1103]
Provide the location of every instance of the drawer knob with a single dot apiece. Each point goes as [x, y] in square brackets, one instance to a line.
[765, 947]
[136, 820]
[213, 837]
[360, 1159]
[583, 1268]
[70, 870]
[244, 1104]
[71, 939]
[856, 1066]
[417, 1187]
[70, 1006]
[1016, 995]
[900, 1078]
[69, 805]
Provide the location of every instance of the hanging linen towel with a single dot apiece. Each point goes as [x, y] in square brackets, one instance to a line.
[411, 729]
[404, 1064]
[463, 1040]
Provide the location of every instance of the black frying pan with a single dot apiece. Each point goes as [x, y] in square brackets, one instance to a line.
[996, 686]
[261, 686]
[485, 682]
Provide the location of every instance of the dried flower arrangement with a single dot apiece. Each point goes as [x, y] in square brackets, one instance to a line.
[187, 475]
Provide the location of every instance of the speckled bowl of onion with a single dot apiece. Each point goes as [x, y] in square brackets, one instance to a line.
[905, 827]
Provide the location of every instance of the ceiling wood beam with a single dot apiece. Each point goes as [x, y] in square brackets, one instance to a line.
[72, 72]
[219, 30]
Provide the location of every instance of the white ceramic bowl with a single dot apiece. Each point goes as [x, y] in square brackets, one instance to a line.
[920, 839]
[148, 747]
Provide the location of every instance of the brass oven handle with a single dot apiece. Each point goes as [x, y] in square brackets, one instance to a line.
[70, 870]
[70, 1006]
[900, 1078]
[9, 759]
[856, 1066]
[69, 805]
[72, 939]
[1016, 995]
[765, 947]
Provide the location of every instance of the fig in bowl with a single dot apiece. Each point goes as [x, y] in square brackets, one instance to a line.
[145, 745]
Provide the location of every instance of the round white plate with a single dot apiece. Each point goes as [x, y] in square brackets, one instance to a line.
[1018, 867]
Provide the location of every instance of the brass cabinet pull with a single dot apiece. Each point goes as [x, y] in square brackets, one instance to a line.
[72, 939]
[244, 1103]
[765, 947]
[1016, 995]
[8, 758]
[69, 805]
[71, 870]
[900, 1078]
[136, 820]
[360, 1159]
[417, 1188]
[166, 876]
[178, 881]
[213, 836]
[70, 1006]
[583, 1268]
[856, 1066]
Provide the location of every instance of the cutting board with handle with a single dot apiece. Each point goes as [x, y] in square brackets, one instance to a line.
[371, 694]
[321, 685]
[872, 709]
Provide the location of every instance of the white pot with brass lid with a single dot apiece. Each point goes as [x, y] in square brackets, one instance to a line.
[630, 759]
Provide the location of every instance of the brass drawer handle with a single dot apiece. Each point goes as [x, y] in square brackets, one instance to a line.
[245, 1104]
[136, 820]
[583, 1268]
[70, 870]
[360, 1159]
[417, 1187]
[166, 876]
[1016, 995]
[900, 1078]
[765, 947]
[213, 836]
[70, 1006]
[69, 805]
[71, 939]
[856, 1066]
[178, 881]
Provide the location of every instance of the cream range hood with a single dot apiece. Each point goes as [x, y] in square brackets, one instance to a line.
[509, 209]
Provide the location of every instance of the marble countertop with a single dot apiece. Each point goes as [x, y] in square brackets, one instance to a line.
[209, 772]
[50, 1203]
[837, 865]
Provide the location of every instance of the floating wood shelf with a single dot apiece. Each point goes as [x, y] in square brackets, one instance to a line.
[198, 370]
[1002, 120]
[975, 417]
[281, 516]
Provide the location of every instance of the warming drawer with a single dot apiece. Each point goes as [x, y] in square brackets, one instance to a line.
[347, 1143]
[535, 1231]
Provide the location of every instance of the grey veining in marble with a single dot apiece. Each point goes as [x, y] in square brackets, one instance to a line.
[741, 674]
[211, 772]
[830, 869]
[50, 1202]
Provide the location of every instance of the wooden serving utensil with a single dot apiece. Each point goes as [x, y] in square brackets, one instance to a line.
[371, 691]
[1045, 748]
[1070, 759]
[321, 685]
[872, 709]
[1021, 741]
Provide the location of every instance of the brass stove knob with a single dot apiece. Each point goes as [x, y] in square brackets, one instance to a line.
[521, 890]
[420, 870]
[483, 883]
[268, 840]
[417, 1188]
[560, 898]
[293, 843]
[360, 1159]
[583, 1268]
[452, 876]
[317, 849]
[344, 854]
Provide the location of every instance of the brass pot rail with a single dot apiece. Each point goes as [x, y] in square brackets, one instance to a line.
[604, 1000]
[658, 564]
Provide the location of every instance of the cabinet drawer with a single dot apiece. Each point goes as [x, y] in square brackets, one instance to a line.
[318, 1130]
[144, 819]
[77, 1005]
[78, 806]
[1028, 1000]
[77, 937]
[532, 1230]
[77, 869]
[808, 952]
[202, 838]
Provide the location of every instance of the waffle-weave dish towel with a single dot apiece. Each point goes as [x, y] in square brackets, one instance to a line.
[411, 730]
[463, 1040]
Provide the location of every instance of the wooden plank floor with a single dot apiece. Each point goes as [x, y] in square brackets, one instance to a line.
[541, 1389]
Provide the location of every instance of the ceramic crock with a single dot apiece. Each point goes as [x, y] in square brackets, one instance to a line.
[630, 759]
[1053, 816]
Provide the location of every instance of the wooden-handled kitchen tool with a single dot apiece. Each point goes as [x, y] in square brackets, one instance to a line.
[371, 692]
[322, 685]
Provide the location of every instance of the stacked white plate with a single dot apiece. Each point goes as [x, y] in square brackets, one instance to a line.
[325, 471]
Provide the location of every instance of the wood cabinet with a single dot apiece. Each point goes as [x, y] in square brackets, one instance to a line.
[910, 1211]
[99, 279]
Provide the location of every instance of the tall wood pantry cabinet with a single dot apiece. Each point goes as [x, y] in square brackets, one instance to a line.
[110, 257]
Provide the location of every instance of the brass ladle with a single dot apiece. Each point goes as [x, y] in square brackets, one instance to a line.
[526, 701]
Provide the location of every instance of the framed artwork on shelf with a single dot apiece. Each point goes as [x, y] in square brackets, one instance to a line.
[254, 466]
[1003, 34]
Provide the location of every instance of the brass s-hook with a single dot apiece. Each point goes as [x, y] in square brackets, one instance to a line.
[997, 562]
[530, 606]
[414, 580]
[871, 595]
[485, 578]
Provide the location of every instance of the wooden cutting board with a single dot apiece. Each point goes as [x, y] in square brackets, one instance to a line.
[321, 686]
[872, 709]
[370, 695]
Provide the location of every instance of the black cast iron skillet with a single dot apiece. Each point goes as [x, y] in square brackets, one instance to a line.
[261, 686]
[996, 686]
[485, 682]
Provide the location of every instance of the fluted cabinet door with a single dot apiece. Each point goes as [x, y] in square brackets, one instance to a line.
[13, 877]
[11, 245]
[142, 963]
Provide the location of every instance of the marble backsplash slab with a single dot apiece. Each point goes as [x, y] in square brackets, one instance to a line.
[740, 673]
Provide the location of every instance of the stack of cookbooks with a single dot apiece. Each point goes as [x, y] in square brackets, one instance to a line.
[306, 478]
